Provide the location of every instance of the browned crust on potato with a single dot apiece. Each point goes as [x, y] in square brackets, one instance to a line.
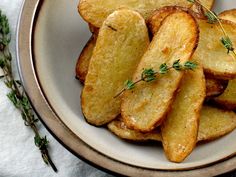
[119, 128]
[215, 87]
[97, 13]
[224, 103]
[83, 61]
[126, 118]
[94, 30]
[219, 75]
[154, 23]
[155, 20]
[228, 13]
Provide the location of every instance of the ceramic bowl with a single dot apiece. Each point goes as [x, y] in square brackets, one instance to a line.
[51, 36]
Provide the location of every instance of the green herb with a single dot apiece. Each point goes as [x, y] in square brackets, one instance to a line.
[213, 18]
[149, 74]
[227, 44]
[129, 84]
[17, 95]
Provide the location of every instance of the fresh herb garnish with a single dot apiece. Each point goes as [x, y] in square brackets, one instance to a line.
[149, 74]
[17, 95]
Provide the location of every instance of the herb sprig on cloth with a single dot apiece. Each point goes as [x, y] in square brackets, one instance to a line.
[17, 95]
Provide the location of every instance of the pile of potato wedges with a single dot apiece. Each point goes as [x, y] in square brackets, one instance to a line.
[179, 108]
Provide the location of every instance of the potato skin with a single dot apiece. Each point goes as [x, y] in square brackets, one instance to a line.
[229, 15]
[120, 45]
[215, 87]
[143, 107]
[214, 123]
[180, 129]
[227, 100]
[94, 30]
[119, 128]
[96, 11]
[155, 20]
[83, 61]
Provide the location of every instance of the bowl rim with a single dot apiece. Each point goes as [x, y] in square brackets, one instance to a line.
[53, 123]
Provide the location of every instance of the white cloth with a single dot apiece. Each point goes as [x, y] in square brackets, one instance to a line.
[19, 157]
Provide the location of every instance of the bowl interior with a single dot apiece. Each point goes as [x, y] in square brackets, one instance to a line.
[59, 37]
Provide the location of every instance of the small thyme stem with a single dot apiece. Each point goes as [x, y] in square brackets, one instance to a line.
[149, 75]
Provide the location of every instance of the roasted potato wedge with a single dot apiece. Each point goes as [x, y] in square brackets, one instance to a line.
[229, 15]
[210, 52]
[84, 59]
[180, 129]
[155, 20]
[96, 11]
[144, 107]
[120, 45]
[215, 123]
[215, 87]
[228, 98]
[119, 128]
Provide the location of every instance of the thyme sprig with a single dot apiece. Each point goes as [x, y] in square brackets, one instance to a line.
[149, 74]
[17, 95]
[213, 18]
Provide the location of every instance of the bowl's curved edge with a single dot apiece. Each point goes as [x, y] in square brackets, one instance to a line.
[62, 133]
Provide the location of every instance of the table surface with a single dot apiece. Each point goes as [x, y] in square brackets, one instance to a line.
[19, 157]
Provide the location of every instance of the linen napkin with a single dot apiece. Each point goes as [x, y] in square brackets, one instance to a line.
[19, 157]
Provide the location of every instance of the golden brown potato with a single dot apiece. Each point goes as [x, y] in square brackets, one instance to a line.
[144, 107]
[180, 129]
[215, 123]
[120, 45]
[215, 87]
[96, 11]
[119, 128]
[228, 98]
[84, 59]
[210, 52]
[229, 15]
